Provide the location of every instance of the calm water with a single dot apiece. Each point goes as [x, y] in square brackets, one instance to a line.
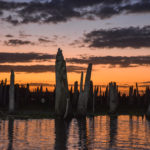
[102, 132]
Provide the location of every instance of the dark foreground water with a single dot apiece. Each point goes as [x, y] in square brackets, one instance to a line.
[102, 132]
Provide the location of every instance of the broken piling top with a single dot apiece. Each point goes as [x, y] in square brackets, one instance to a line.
[113, 84]
[81, 82]
[5, 81]
[2, 83]
[130, 90]
[75, 86]
[12, 78]
[59, 55]
[88, 76]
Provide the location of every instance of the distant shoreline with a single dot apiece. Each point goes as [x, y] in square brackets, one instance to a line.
[39, 114]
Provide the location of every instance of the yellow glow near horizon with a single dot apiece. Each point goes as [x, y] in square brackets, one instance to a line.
[99, 76]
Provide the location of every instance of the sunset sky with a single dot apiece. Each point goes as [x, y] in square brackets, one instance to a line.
[114, 35]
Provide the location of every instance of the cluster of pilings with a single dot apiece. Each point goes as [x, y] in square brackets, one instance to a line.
[111, 100]
[78, 101]
[88, 98]
[14, 97]
[4, 93]
[63, 101]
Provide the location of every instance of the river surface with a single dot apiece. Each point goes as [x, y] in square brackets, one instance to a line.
[96, 133]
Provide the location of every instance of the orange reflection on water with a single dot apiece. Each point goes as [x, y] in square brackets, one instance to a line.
[101, 132]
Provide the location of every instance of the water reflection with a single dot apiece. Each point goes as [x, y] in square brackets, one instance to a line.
[83, 144]
[101, 132]
[10, 133]
[113, 131]
[61, 132]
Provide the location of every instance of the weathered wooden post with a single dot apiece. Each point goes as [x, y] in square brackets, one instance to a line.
[12, 92]
[148, 112]
[75, 96]
[90, 99]
[1, 92]
[113, 97]
[95, 97]
[62, 98]
[84, 93]
[131, 99]
[5, 92]
[147, 101]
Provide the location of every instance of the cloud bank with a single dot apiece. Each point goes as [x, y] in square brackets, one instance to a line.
[56, 11]
[113, 61]
[24, 57]
[134, 37]
[37, 68]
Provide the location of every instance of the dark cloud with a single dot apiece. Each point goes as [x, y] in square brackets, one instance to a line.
[134, 37]
[9, 36]
[106, 12]
[5, 5]
[36, 12]
[44, 40]
[57, 11]
[11, 20]
[77, 43]
[113, 61]
[16, 42]
[146, 82]
[76, 69]
[39, 84]
[38, 68]
[25, 68]
[142, 7]
[24, 57]
[144, 85]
